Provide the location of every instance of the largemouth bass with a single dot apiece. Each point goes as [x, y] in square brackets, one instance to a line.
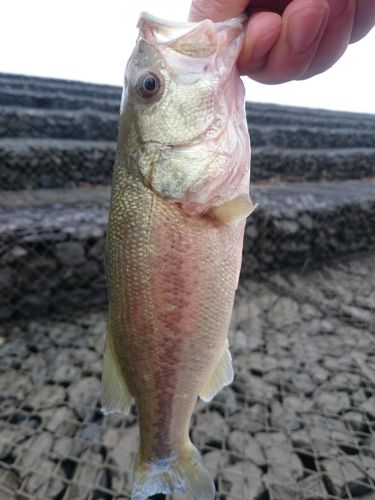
[180, 197]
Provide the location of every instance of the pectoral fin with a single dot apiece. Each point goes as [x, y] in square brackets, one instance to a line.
[234, 210]
[221, 376]
[116, 394]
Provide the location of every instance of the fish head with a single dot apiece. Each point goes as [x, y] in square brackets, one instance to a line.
[183, 105]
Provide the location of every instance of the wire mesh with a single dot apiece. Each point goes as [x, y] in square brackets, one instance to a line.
[298, 422]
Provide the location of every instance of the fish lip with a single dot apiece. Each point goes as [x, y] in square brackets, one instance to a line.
[165, 32]
[146, 16]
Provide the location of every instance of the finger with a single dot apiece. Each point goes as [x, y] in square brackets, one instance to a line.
[336, 37]
[262, 31]
[217, 10]
[364, 20]
[303, 24]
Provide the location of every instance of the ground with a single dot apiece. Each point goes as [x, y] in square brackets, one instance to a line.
[297, 423]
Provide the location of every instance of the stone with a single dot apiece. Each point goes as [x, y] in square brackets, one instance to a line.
[281, 487]
[283, 417]
[210, 428]
[215, 461]
[261, 363]
[36, 448]
[64, 374]
[332, 402]
[84, 395]
[14, 384]
[312, 487]
[342, 475]
[355, 419]
[283, 313]
[122, 447]
[369, 406]
[251, 420]
[247, 447]
[303, 383]
[70, 253]
[46, 396]
[348, 382]
[242, 480]
[61, 421]
[225, 402]
[253, 387]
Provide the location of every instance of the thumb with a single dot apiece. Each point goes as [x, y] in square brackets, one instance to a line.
[217, 10]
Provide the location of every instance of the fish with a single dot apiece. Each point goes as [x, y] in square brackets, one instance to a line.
[179, 202]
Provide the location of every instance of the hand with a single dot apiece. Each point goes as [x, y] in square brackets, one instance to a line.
[291, 39]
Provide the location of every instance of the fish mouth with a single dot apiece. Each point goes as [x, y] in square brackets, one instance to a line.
[167, 32]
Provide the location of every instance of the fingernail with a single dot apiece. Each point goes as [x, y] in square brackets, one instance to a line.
[304, 27]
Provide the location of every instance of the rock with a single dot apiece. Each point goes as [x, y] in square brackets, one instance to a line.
[312, 487]
[332, 402]
[84, 395]
[251, 420]
[283, 417]
[348, 382]
[122, 447]
[355, 419]
[245, 445]
[15, 348]
[14, 384]
[67, 335]
[247, 336]
[225, 402]
[10, 481]
[309, 312]
[261, 363]
[63, 446]
[64, 374]
[70, 253]
[242, 480]
[90, 432]
[210, 428]
[281, 487]
[255, 389]
[215, 461]
[86, 475]
[36, 448]
[61, 421]
[303, 383]
[342, 475]
[283, 313]
[301, 439]
[46, 396]
[369, 407]
[357, 315]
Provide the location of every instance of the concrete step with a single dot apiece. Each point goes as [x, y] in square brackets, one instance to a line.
[48, 163]
[32, 123]
[87, 124]
[52, 241]
[57, 100]
[42, 84]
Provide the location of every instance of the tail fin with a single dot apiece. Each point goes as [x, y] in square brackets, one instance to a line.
[173, 476]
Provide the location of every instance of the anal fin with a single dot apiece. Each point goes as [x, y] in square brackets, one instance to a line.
[221, 376]
[234, 210]
[116, 394]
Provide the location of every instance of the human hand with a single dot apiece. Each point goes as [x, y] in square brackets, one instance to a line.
[291, 39]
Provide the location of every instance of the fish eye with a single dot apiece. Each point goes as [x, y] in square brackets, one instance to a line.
[148, 85]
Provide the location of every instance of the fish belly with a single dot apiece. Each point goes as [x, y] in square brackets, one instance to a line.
[172, 280]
